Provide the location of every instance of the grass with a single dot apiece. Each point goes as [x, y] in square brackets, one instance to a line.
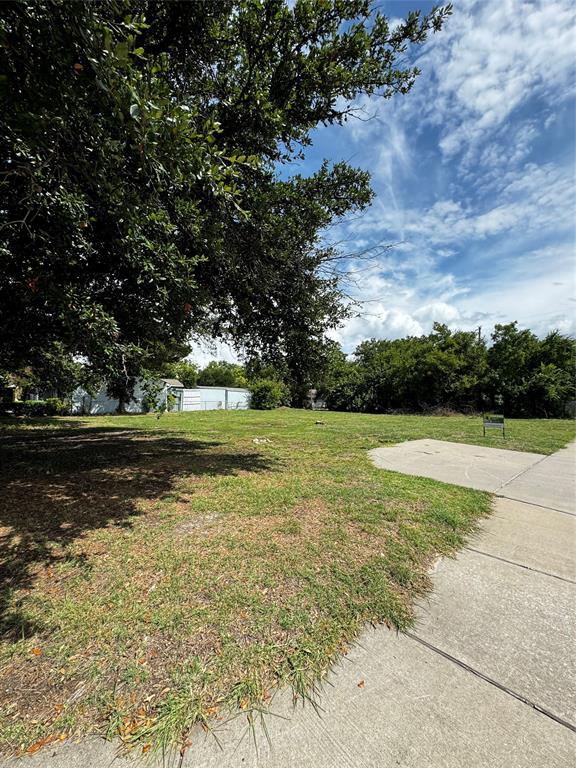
[158, 574]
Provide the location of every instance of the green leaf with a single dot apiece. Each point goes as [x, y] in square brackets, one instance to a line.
[121, 51]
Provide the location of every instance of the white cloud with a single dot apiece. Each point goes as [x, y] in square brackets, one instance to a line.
[377, 322]
[531, 198]
[538, 292]
[394, 154]
[438, 311]
[491, 58]
[203, 352]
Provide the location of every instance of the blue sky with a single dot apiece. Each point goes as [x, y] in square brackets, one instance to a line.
[474, 177]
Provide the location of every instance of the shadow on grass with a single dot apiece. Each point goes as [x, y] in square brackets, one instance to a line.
[58, 484]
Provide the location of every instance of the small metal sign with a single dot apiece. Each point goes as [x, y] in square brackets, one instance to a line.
[493, 421]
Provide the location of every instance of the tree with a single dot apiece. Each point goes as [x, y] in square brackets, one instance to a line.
[519, 373]
[59, 374]
[332, 366]
[512, 358]
[533, 377]
[549, 389]
[185, 371]
[141, 203]
[348, 389]
[457, 365]
[222, 374]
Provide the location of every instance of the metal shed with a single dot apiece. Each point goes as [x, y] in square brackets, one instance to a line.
[196, 399]
[215, 398]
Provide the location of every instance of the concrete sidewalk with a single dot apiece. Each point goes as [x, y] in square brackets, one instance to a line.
[550, 482]
[487, 676]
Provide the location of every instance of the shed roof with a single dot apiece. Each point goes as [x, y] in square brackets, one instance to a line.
[173, 383]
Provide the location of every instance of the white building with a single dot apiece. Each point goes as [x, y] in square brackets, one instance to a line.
[212, 398]
[197, 399]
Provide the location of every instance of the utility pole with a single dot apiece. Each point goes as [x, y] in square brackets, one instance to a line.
[479, 334]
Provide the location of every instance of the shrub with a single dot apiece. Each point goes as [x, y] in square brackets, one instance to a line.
[171, 400]
[53, 406]
[267, 394]
[33, 408]
[56, 407]
[151, 391]
[166, 404]
[154, 400]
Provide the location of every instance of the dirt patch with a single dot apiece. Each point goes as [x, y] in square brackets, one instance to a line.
[35, 692]
[197, 524]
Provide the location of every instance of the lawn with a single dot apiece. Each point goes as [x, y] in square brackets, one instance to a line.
[160, 573]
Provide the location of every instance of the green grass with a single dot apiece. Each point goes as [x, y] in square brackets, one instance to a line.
[161, 573]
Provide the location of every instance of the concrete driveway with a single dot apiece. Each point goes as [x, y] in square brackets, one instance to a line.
[546, 480]
[487, 676]
[474, 466]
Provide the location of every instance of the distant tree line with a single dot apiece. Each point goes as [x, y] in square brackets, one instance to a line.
[517, 373]
[218, 373]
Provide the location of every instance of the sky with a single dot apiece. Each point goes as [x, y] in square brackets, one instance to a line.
[474, 179]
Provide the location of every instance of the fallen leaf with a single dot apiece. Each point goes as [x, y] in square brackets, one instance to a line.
[41, 743]
[37, 651]
[146, 748]
[128, 728]
[185, 746]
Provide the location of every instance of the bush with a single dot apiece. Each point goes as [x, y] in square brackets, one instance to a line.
[53, 406]
[33, 408]
[267, 394]
[152, 390]
[57, 407]
[171, 401]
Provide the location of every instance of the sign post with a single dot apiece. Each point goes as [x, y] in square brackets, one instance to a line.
[493, 421]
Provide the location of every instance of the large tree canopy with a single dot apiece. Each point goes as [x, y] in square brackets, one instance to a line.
[141, 203]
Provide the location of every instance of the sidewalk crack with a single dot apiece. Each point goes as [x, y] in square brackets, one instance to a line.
[491, 681]
[522, 472]
[520, 565]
